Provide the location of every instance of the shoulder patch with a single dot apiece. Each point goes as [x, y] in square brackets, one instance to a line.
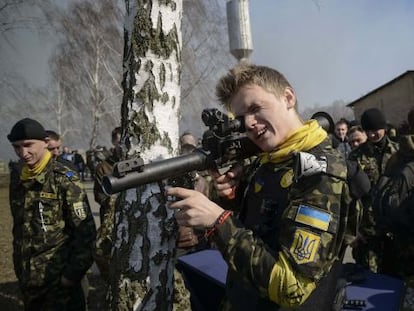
[287, 179]
[313, 217]
[304, 246]
[80, 210]
[307, 164]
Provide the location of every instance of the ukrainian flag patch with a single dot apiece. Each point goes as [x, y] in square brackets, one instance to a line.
[305, 246]
[313, 217]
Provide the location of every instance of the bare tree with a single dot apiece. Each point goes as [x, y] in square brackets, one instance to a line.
[86, 65]
[205, 58]
[19, 99]
[143, 252]
[18, 14]
[84, 89]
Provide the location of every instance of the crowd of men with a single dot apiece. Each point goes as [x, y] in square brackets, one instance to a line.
[281, 220]
[384, 241]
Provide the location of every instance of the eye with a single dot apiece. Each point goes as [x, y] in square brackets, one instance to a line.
[254, 108]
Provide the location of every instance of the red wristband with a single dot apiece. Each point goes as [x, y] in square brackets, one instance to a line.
[220, 220]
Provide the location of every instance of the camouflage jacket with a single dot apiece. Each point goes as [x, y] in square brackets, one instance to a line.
[373, 160]
[104, 240]
[287, 208]
[102, 169]
[393, 203]
[53, 229]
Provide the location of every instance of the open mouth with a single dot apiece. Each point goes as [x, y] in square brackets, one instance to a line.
[261, 132]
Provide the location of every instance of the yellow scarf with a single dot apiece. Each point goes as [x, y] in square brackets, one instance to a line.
[305, 138]
[30, 173]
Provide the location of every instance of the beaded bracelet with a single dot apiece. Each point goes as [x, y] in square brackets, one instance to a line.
[220, 220]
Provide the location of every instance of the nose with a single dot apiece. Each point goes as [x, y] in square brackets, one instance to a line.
[20, 151]
[24, 151]
[249, 121]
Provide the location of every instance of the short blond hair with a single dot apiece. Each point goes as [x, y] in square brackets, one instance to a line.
[248, 74]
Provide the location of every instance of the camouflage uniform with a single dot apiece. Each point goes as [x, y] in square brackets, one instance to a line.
[272, 206]
[53, 234]
[373, 160]
[393, 205]
[104, 240]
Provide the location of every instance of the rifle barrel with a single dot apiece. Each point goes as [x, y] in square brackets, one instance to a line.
[197, 160]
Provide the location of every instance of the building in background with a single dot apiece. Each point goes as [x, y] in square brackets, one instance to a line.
[395, 98]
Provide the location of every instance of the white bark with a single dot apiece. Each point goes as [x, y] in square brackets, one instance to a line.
[145, 233]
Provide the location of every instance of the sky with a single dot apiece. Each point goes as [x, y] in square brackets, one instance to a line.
[328, 49]
[333, 50]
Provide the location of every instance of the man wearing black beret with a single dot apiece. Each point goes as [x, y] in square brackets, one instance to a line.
[53, 230]
[370, 248]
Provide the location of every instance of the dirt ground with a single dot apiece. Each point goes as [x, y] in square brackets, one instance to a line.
[10, 297]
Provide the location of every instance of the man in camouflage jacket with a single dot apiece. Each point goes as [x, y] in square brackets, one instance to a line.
[104, 240]
[292, 218]
[372, 156]
[393, 204]
[53, 230]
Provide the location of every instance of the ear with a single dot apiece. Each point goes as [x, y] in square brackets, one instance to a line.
[290, 97]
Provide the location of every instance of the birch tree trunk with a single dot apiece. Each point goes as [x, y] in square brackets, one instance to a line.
[143, 252]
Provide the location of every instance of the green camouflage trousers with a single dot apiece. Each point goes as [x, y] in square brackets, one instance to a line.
[181, 293]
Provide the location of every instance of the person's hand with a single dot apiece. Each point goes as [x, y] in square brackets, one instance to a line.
[201, 185]
[186, 237]
[66, 282]
[193, 209]
[226, 184]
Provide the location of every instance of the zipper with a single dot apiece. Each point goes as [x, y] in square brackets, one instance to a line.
[41, 217]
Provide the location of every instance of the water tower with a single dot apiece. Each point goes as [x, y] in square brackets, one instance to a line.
[238, 22]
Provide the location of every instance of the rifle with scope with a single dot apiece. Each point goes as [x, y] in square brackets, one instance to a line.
[223, 144]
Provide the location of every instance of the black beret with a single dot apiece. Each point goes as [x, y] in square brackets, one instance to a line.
[27, 129]
[373, 119]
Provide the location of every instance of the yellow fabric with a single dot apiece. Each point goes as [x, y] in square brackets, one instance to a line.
[305, 138]
[30, 173]
[286, 287]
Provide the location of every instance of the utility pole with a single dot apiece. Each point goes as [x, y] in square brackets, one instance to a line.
[240, 37]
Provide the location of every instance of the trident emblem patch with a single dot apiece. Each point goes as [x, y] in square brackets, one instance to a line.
[304, 247]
